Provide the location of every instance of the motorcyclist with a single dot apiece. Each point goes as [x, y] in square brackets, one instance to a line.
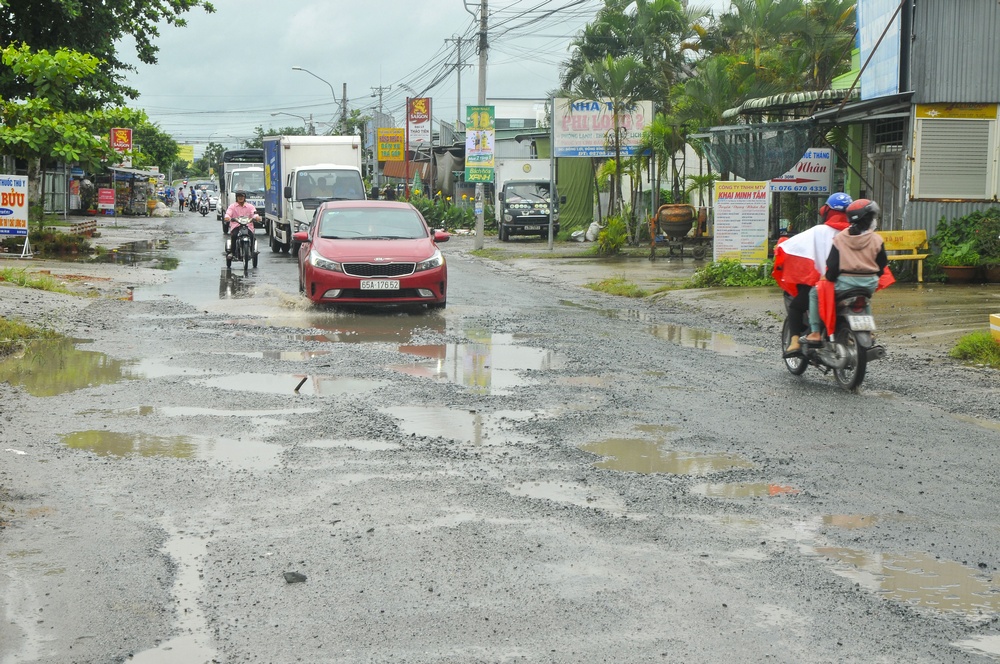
[240, 208]
[800, 261]
[857, 259]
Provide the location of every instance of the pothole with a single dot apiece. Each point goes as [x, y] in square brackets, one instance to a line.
[644, 456]
[465, 426]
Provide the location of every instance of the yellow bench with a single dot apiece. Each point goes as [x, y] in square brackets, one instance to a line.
[903, 246]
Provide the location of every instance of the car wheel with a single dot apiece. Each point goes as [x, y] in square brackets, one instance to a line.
[435, 306]
[504, 235]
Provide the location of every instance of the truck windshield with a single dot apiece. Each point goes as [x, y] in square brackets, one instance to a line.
[251, 182]
[528, 192]
[330, 185]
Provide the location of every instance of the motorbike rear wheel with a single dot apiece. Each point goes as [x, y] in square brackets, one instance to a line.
[797, 364]
[853, 373]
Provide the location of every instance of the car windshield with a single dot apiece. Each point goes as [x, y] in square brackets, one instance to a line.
[528, 192]
[371, 223]
[330, 185]
[249, 181]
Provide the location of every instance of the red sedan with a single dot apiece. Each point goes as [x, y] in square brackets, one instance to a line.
[372, 252]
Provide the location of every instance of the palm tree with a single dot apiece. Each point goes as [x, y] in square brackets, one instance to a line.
[822, 41]
[756, 28]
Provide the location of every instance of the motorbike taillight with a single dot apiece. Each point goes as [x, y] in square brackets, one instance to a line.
[858, 305]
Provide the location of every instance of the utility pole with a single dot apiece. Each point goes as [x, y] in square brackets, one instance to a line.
[480, 203]
[378, 92]
[343, 110]
[459, 117]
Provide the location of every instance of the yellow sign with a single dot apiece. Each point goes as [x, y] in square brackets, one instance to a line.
[957, 111]
[186, 153]
[390, 144]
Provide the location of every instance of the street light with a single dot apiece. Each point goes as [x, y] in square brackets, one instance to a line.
[333, 93]
[309, 122]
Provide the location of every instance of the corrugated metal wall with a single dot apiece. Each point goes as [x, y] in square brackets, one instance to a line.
[955, 55]
[926, 214]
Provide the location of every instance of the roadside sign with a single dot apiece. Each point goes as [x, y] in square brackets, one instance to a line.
[390, 143]
[105, 199]
[479, 142]
[13, 205]
[812, 175]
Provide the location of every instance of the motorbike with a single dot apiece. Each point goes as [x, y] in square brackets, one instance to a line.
[203, 205]
[244, 249]
[853, 345]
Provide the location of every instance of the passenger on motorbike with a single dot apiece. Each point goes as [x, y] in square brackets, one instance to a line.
[799, 262]
[857, 259]
[239, 209]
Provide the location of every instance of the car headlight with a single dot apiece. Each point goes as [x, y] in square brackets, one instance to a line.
[324, 263]
[508, 217]
[437, 260]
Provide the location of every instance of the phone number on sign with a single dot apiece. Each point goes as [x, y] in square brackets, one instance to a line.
[801, 188]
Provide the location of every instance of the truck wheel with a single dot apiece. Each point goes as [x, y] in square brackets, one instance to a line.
[275, 247]
[294, 249]
[504, 235]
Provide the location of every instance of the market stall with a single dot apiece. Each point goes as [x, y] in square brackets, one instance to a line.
[134, 189]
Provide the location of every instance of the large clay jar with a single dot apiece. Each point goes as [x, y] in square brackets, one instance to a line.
[675, 220]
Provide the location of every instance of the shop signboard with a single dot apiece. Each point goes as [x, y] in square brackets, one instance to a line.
[13, 205]
[585, 128]
[741, 214]
[390, 143]
[105, 199]
[418, 121]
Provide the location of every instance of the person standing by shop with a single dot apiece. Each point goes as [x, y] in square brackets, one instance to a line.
[180, 198]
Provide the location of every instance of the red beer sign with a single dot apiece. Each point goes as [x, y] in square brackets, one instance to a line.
[121, 139]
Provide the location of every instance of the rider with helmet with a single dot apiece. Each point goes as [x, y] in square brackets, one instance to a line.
[857, 259]
[240, 208]
[800, 261]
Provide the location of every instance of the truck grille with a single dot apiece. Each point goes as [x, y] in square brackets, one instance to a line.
[379, 270]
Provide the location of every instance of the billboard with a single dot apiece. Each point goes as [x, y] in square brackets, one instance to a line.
[583, 128]
[418, 121]
[390, 143]
[480, 133]
[881, 77]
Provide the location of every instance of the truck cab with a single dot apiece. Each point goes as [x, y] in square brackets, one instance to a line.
[249, 179]
[523, 208]
[309, 186]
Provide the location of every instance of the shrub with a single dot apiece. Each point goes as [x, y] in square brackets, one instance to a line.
[978, 347]
[612, 237]
[731, 273]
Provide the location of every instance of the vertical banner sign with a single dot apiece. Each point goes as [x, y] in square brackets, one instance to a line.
[121, 141]
[418, 120]
[741, 213]
[479, 141]
[13, 205]
[105, 199]
[390, 143]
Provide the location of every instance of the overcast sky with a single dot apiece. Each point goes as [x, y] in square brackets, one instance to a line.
[227, 72]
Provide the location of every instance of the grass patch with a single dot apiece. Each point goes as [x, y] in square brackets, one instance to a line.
[21, 277]
[730, 273]
[618, 286]
[978, 348]
[15, 333]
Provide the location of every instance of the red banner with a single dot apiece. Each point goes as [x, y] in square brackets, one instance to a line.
[121, 139]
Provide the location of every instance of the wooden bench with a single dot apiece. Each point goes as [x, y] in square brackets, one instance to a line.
[84, 228]
[904, 246]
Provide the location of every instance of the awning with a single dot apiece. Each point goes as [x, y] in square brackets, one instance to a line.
[869, 110]
[135, 171]
[786, 101]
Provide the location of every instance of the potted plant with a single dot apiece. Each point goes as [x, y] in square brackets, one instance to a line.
[959, 262]
[987, 245]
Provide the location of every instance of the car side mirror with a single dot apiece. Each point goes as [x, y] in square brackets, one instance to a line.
[300, 236]
[288, 192]
[500, 197]
[562, 199]
[441, 236]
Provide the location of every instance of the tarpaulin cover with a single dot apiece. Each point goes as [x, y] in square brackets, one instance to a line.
[759, 152]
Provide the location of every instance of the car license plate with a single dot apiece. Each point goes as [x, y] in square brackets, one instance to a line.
[862, 323]
[532, 228]
[380, 284]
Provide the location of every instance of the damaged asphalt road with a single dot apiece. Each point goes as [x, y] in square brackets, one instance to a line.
[538, 473]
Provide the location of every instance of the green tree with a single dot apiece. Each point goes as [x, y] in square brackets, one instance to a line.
[257, 141]
[155, 148]
[96, 28]
[39, 127]
[213, 153]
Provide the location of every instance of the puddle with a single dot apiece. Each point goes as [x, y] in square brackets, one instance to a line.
[246, 453]
[357, 328]
[148, 253]
[919, 580]
[354, 444]
[593, 497]
[192, 411]
[851, 521]
[473, 427]
[644, 456]
[285, 384]
[491, 364]
[53, 367]
[743, 490]
[987, 644]
[702, 339]
[235, 285]
[283, 355]
[194, 646]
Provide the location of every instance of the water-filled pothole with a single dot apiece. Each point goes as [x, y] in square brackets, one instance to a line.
[490, 364]
[286, 384]
[744, 490]
[465, 426]
[644, 456]
[702, 339]
[245, 453]
[52, 367]
[151, 253]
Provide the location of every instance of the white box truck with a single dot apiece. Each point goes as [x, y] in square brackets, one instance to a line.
[523, 198]
[302, 172]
